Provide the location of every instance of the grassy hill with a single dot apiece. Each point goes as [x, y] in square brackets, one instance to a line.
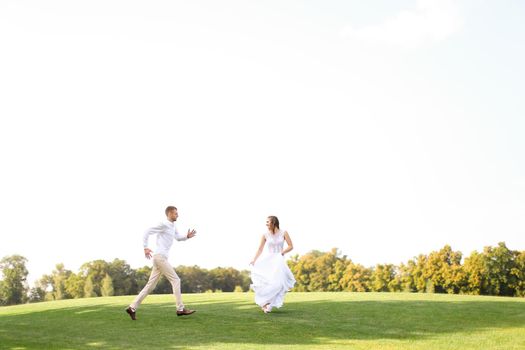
[307, 321]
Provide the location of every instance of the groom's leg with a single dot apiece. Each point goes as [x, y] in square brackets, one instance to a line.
[168, 271]
[148, 288]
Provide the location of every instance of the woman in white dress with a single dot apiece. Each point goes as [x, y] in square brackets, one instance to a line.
[271, 276]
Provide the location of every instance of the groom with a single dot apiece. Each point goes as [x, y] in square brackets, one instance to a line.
[166, 231]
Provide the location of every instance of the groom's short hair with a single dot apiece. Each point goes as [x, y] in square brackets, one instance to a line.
[169, 209]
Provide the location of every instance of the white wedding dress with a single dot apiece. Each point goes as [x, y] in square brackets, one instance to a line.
[271, 276]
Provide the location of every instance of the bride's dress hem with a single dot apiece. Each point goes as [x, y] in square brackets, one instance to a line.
[271, 280]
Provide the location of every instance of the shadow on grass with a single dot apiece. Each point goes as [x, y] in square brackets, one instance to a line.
[106, 326]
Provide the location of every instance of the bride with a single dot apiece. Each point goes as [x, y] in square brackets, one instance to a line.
[271, 276]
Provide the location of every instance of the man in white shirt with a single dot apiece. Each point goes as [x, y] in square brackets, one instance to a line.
[166, 231]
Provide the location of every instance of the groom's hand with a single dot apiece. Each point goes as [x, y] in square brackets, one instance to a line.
[147, 253]
[191, 233]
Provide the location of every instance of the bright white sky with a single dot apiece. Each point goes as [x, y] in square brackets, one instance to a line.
[385, 129]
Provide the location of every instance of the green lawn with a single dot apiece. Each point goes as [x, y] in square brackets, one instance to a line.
[307, 321]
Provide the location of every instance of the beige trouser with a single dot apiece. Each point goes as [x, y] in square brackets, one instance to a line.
[161, 266]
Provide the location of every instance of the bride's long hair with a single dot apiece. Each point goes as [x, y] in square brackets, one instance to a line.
[274, 221]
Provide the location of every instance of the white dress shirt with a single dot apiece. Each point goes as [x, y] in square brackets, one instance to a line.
[166, 231]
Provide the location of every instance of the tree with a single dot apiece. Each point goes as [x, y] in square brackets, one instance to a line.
[303, 269]
[194, 279]
[338, 272]
[519, 273]
[36, 294]
[107, 289]
[356, 278]
[495, 271]
[123, 277]
[500, 262]
[318, 271]
[443, 270]
[74, 285]
[46, 283]
[142, 276]
[59, 277]
[406, 278]
[246, 280]
[225, 279]
[476, 273]
[382, 277]
[418, 273]
[89, 290]
[13, 287]
[96, 270]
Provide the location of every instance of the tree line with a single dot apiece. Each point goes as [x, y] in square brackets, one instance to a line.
[102, 278]
[494, 271]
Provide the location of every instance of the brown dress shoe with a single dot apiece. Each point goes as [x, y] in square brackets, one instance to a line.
[131, 313]
[184, 312]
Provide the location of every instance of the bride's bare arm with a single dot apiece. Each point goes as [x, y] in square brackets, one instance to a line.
[289, 242]
[259, 251]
